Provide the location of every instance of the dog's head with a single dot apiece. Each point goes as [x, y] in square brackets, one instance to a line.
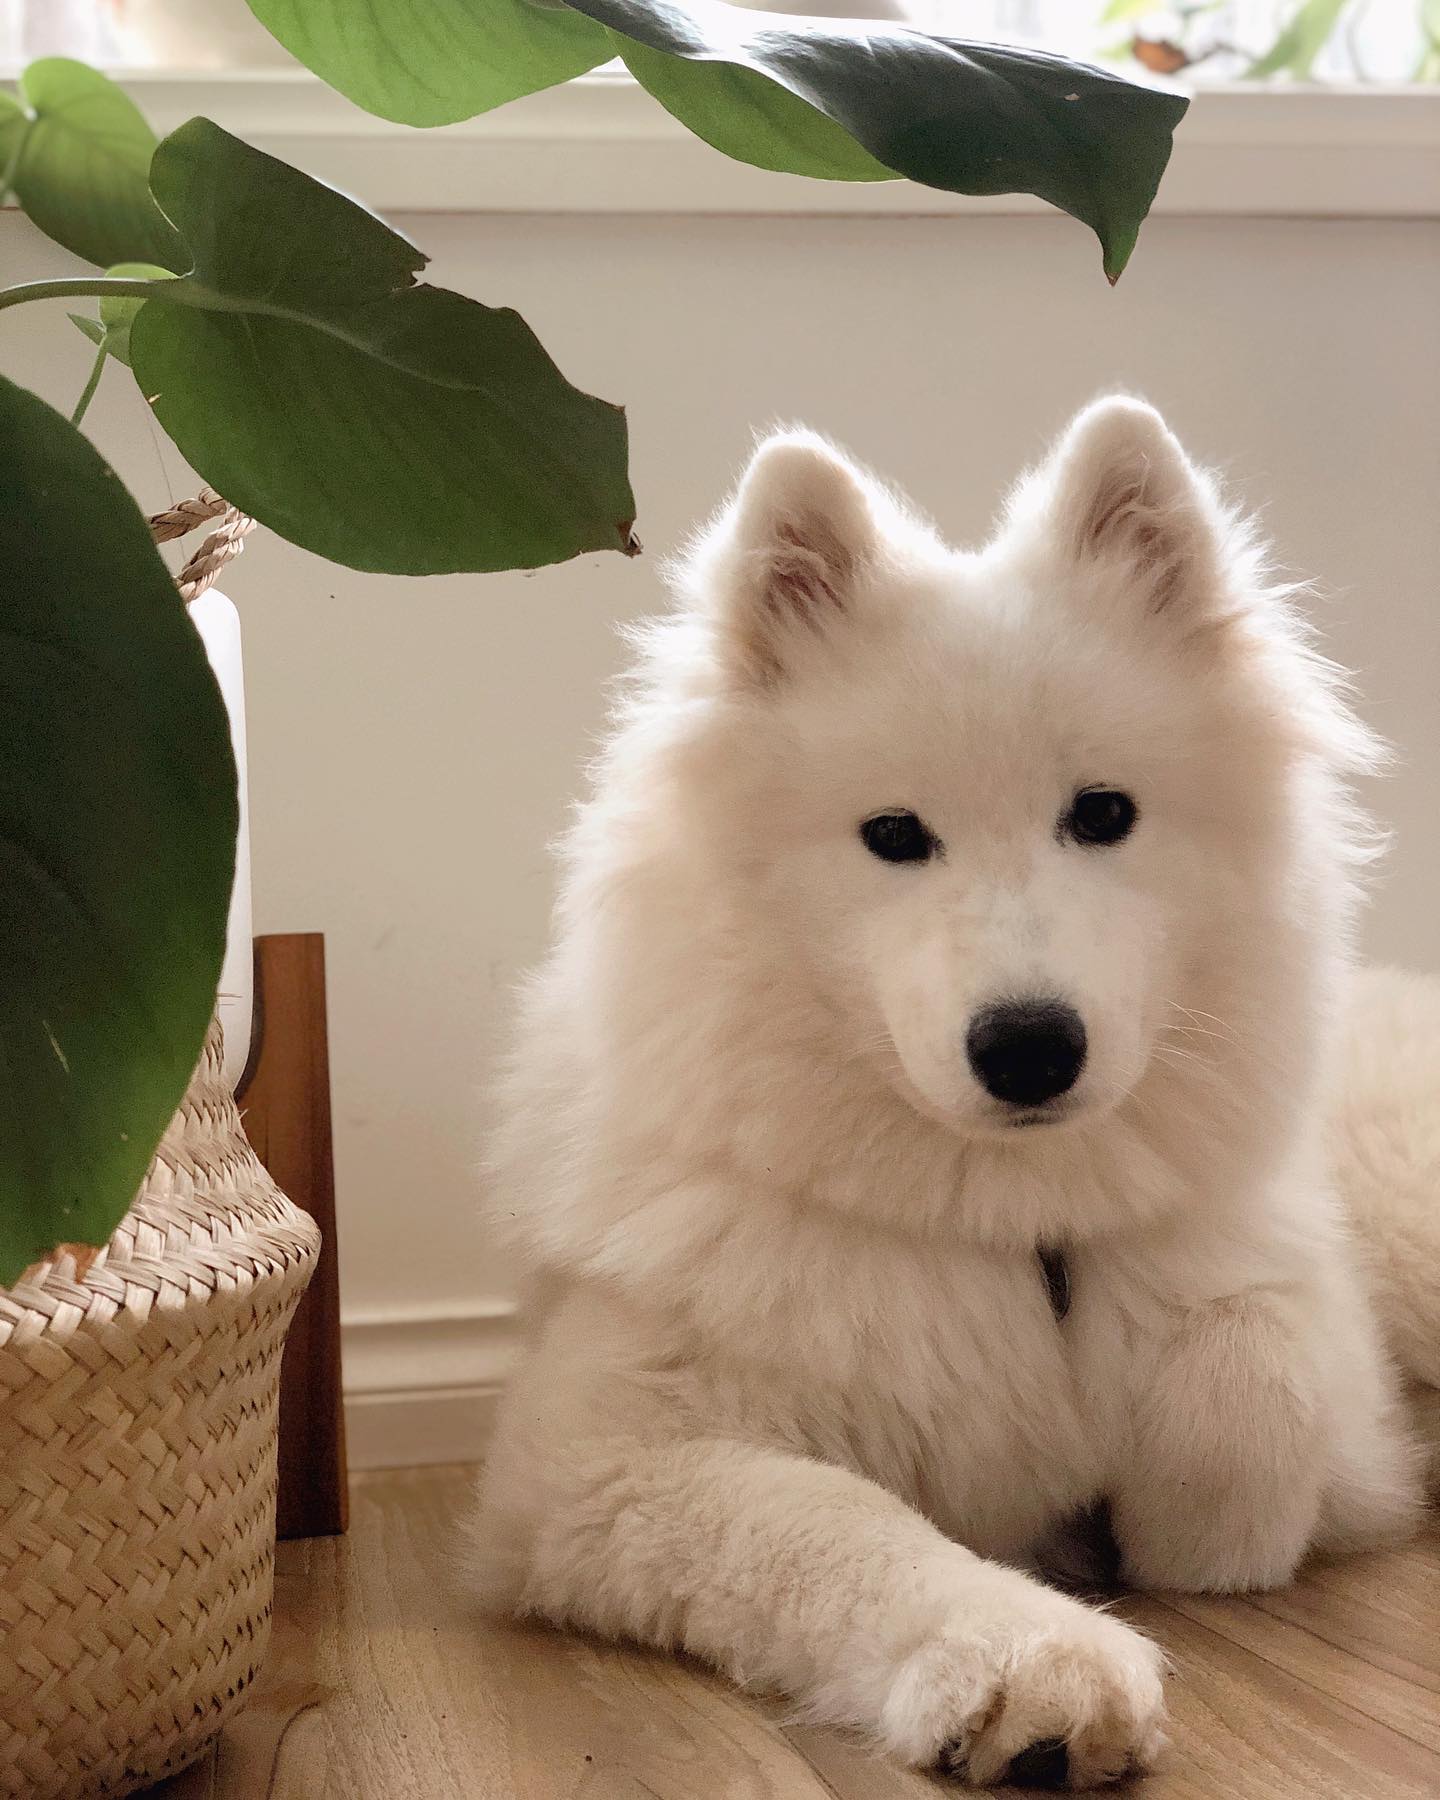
[1006, 814]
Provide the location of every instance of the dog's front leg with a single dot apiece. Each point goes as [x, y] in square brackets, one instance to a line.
[1222, 1489]
[797, 1576]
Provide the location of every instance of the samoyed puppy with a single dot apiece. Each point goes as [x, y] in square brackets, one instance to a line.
[916, 1129]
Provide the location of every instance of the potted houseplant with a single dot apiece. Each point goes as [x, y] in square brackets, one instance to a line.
[282, 339]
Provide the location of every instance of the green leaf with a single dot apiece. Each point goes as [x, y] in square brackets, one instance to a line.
[1300, 42]
[117, 840]
[117, 311]
[15, 125]
[111, 331]
[1427, 69]
[970, 118]
[431, 62]
[81, 174]
[832, 98]
[92, 328]
[1118, 10]
[383, 424]
[749, 117]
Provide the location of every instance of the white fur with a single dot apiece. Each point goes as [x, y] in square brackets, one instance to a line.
[796, 1400]
[1384, 1135]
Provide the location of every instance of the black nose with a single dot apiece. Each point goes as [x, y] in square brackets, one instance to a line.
[1025, 1052]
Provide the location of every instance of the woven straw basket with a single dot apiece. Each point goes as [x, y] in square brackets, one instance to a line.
[138, 1402]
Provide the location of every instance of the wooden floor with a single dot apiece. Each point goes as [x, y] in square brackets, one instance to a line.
[383, 1686]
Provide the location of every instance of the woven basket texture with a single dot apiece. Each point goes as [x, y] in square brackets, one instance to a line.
[138, 1403]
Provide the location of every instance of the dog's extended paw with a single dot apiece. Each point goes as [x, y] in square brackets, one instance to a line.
[1069, 1700]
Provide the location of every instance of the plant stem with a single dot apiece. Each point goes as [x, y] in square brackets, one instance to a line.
[82, 404]
[85, 286]
[12, 168]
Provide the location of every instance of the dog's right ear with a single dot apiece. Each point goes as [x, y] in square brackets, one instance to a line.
[782, 562]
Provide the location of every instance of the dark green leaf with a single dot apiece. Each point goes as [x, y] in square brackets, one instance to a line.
[379, 423]
[971, 118]
[92, 328]
[1301, 41]
[117, 839]
[82, 172]
[430, 62]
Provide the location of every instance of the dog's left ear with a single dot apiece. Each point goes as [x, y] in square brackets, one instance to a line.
[1121, 496]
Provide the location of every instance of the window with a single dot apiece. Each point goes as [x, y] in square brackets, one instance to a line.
[1211, 41]
[173, 35]
[1196, 42]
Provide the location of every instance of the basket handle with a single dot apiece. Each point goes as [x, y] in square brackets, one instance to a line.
[221, 546]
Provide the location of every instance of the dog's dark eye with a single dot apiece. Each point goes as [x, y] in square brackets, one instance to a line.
[898, 837]
[1100, 816]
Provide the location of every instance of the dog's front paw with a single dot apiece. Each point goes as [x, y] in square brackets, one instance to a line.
[1067, 1698]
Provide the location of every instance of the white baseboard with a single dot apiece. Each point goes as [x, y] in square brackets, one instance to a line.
[422, 1387]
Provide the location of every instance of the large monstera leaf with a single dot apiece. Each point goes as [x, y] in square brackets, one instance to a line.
[117, 839]
[376, 420]
[834, 98]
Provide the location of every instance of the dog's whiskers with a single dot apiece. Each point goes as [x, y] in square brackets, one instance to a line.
[1198, 1031]
[1225, 1030]
[1224, 1034]
[1197, 1053]
[881, 1044]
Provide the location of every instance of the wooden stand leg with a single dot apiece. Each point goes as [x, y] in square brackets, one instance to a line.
[284, 1098]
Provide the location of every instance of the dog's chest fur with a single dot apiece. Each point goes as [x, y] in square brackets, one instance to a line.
[946, 1377]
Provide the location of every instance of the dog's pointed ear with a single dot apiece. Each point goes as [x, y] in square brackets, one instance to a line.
[783, 561]
[1121, 495]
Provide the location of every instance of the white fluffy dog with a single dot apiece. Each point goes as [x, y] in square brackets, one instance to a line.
[917, 1127]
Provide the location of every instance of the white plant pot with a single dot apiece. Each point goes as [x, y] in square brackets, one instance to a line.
[219, 626]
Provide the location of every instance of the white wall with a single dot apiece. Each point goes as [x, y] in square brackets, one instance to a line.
[414, 745]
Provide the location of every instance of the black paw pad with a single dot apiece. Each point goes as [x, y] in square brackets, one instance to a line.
[1042, 1765]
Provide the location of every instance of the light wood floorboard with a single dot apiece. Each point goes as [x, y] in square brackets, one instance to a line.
[382, 1684]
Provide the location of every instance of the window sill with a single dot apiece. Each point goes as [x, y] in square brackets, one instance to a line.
[601, 145]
